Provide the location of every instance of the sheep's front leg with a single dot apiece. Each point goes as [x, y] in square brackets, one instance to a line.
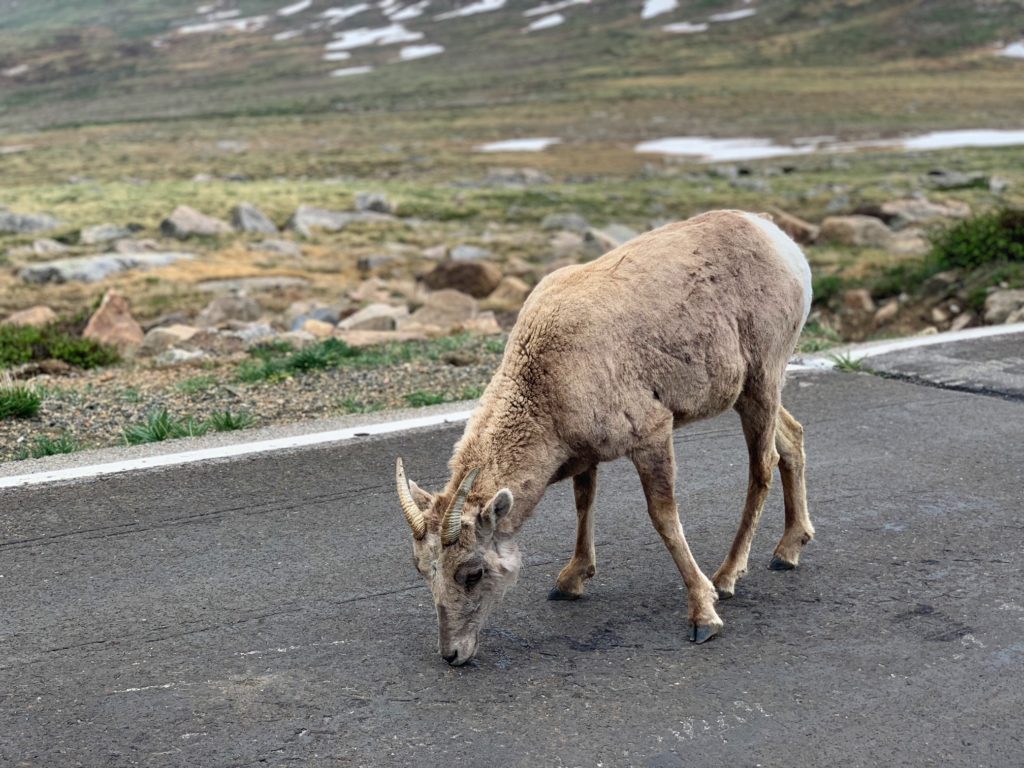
[569, 584]
[657, 469]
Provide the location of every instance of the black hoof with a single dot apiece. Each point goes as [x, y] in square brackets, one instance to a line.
[557, 594]
[725, 594]
[702, 633]
[778, 564]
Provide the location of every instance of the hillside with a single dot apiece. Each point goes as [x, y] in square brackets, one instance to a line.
[632, 64]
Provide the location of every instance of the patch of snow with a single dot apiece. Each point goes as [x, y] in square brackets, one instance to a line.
[481, 6]
[1013, 50]
[20, 69]
[249, 24]
[685, 28]
[288, 35]
[340, 14]
[411, 52]
[358, 38]
[205, 8]
[291, 10]
[953, 139]
[719, 150]
[349, 71]
[654, 8]
[541, 10]
[410, 11]
[337, 56]
[546, 22]
[234, 13]
[733, 15]
[519, 145]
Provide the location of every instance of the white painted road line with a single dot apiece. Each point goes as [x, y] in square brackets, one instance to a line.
[227, 451]
[811, 363]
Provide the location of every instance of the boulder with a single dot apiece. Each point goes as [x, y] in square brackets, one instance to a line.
[307, 218]
[259, 283]
[858, 300]
[1001, 306]
[281, 247]
[166, 336]
[91, 269]
[476, 278]
[48, 247]
[246, 217]
[941, 178]
[854, 230]
[102, 233]
[223, 309]
[484, 324]
[113, 324]
[436, 252]
[375, 317]
[468, 253]
[887, 312]
[444, 308]
[323, 314]
[566, 243]
[25, 223]
[377, 202]
[36, 316]
[620, 233]
[567, 222]
[318, 328]
[800, 231]
[900, 214]
[187, 222]
[372, 338]
[511, 292]
[175, 356]
[909, 242]
[132, 246]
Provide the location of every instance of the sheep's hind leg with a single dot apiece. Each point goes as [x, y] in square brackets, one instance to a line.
[569, 584]
[656, 466]
[789, 441]
[758, 416]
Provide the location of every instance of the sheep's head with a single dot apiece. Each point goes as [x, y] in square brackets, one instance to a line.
[464, 557]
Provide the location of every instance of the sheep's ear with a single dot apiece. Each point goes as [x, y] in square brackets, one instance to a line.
[423, 499]
[496, 509]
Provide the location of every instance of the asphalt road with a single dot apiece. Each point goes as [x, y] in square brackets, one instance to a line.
[265, 610]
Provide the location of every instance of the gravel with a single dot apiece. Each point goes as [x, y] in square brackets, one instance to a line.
[96, 406]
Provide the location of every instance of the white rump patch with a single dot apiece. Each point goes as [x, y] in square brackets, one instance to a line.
[791, 252]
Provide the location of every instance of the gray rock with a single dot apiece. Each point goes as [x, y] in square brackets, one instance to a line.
[227, 308]
[131, 246]
[443, 309]
[251, 334]
[90, 269]
[322, 314]
[307, 218]
[166, 336]
[568, 222]
[468, 253]
[270, 283]
[47, 247]
[911, 211]
[854, 230]
[1001, 306]
[941, 178]
[175, 356]
[282, 247]
[246, 217]
[376, 202]
[186, 222]
[102, 233]
[515, 177]
[25, 223]
[375, 317]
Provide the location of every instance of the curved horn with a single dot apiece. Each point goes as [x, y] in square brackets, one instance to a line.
[452, 523]
[413, 514]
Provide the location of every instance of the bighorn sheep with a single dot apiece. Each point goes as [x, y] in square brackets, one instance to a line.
[605, 360]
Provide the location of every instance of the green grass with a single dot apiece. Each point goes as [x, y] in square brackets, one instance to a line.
[18, 401]
[351, 405]
[160, 425]
[226, 421]
[994, 236]
[46, 446]
[846, 363]
[420, 399]
[197, 384]
[24, 344]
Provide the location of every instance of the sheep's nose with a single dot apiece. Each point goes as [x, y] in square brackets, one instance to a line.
[451, 657]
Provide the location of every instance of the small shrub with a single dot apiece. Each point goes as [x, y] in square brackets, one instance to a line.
[25, 344]
[826, 287]
[980, 240]
[421, 399]
[197, 384]
[847, 363]
[160, 425]
[18, 402]
[226, 421]
[46, 446]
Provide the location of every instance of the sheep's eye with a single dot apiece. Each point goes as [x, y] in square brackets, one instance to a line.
[474, 578]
